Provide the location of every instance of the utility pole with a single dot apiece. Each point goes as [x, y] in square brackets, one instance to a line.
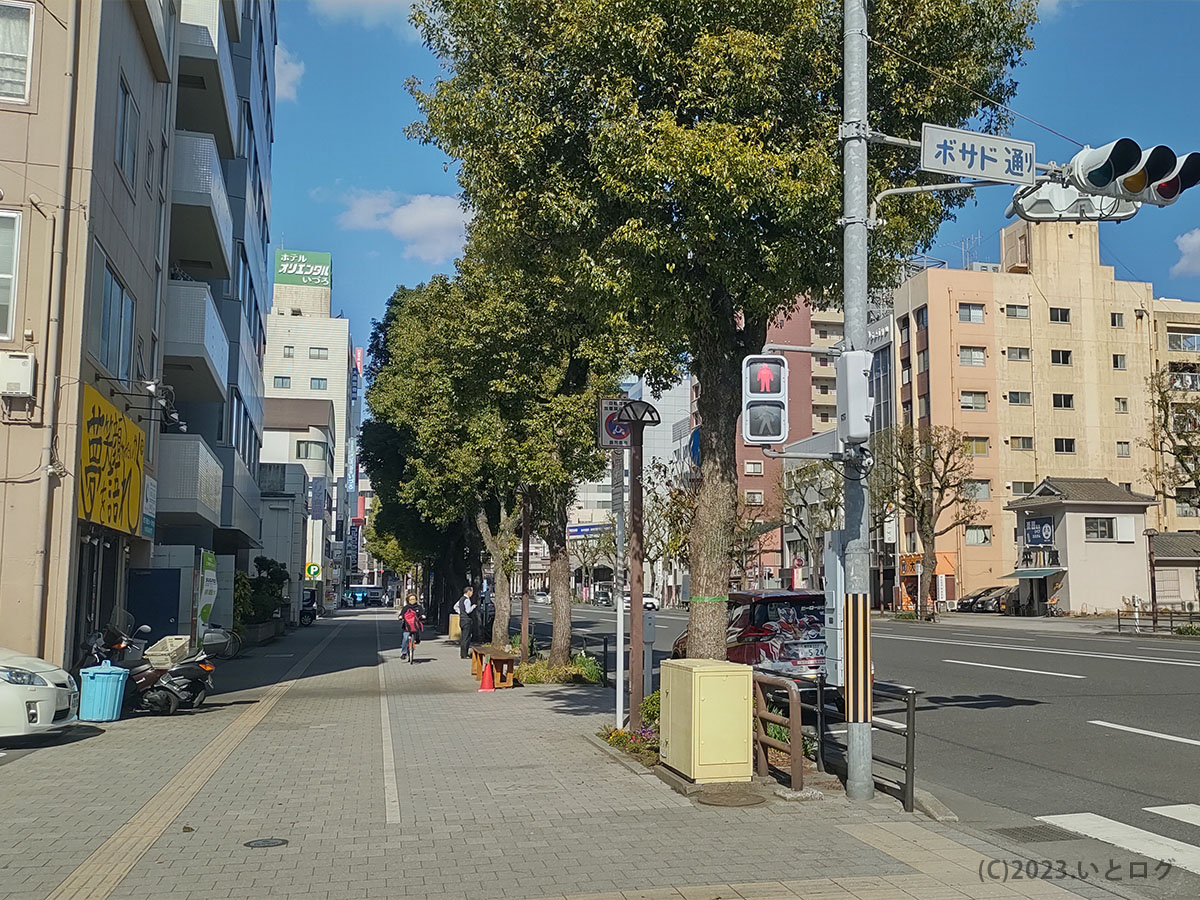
[617, 476]
[525, 576]
[854, 131]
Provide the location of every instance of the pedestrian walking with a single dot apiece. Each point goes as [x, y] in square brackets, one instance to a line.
[465, 607]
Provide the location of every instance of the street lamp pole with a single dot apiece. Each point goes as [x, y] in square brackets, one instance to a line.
[1150, 533]
[525, 527]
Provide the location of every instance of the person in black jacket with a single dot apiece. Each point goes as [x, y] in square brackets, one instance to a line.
[465, 607]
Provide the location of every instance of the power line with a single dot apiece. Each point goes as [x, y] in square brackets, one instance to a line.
[971, 90]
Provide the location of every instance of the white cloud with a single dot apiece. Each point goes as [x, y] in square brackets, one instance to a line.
[432, 226]
[369, 13]
[288, 72]
[1048, 9]
[1189, 254]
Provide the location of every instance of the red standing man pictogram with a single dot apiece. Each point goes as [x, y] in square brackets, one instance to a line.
[765, 378]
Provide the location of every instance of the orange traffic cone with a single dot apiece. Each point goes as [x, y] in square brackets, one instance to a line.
[487, 684]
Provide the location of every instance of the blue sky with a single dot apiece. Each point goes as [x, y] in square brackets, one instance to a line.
[347, 180]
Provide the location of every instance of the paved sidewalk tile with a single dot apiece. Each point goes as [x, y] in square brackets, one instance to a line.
[488, 796]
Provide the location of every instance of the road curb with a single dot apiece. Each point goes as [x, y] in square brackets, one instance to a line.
[932, 806]
[617, 756]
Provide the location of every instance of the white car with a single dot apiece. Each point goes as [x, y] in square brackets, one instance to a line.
[649, 601]
[35, 695]
[541, 597]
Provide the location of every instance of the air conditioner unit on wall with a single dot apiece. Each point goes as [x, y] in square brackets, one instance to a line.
[16, 374]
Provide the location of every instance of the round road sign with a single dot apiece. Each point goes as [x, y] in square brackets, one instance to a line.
[312, 570]
[618, 431]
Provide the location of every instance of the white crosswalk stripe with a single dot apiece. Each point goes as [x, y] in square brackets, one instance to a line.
[1138, 840]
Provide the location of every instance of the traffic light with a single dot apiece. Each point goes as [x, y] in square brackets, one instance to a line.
[764, 399]
[1125, 171]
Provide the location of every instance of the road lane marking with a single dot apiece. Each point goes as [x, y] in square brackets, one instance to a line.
[985, 636]
[391, 793]
[963, 662]
[1135, 840]
[1182, 812]
[1055, 651]
[1156, 734]
[1169, 649]
[100, 874]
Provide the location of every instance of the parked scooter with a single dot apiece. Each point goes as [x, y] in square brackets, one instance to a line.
[160, 691]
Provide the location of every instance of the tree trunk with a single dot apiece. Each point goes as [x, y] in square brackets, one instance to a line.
[497, 546]
[710, 541]
[928, 567]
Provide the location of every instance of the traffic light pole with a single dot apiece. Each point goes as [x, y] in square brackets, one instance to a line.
[855, 133]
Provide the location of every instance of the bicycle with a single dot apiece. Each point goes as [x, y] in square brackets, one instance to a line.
[222, 643]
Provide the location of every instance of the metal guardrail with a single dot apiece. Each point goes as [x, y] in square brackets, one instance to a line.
[1144, 621]
[794, 745]
[830, 750]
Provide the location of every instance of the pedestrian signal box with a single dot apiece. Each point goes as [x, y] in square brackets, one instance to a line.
[764, 399]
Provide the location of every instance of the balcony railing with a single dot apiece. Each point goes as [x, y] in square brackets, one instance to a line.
[207, 90]
[201, 221]
[196, 348]
[189, 482]
[1185, 381]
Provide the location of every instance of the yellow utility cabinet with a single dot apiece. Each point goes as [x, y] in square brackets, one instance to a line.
[706, 719]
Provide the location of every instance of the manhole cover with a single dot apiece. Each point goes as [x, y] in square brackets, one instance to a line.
[266, 842]
[1036, 834]
[729, 798]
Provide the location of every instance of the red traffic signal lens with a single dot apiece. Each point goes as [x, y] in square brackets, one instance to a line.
[766, 377]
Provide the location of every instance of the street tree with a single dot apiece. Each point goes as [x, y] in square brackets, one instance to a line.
[679, 166]
[932, 472]
[1174, 435]
[812, 505]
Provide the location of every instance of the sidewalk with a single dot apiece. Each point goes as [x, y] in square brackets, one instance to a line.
[392, 780]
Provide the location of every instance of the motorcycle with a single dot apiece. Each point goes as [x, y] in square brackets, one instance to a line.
[149, 688]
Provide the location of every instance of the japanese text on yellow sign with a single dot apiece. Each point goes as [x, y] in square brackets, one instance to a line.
[111, 450]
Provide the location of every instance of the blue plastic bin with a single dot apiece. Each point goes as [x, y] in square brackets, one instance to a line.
[101, 690]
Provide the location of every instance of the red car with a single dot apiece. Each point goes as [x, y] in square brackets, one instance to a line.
[780, 632]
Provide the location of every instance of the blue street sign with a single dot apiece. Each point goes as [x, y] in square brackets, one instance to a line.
[1039, 531]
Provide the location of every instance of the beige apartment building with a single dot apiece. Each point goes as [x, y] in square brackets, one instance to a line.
[121, 123]
[1041, 364]
[1176, 347]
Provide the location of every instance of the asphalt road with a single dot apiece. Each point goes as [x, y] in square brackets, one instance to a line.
[1097, 734]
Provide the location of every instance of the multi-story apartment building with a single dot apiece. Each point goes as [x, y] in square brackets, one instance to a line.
[1176, 348]
[1042, 365]
[112, 179]
[311, 357]
[213, 331]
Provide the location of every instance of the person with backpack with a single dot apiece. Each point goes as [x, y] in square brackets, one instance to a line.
[412, 618]
[465, 607]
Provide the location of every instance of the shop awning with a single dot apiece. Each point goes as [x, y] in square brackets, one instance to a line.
[1033, 573]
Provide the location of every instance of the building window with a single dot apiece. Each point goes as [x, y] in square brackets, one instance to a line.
[904, 331]
[975, 446]
[822, 360]
[312, 450]
[822, 333]
[1064, 445]
[1183, 340]
[111, 339]
[1018, 354]
[923, 406]
[979, 535]
[824, 417]
[1119, 361]
[1123, 449]
[754, 498]
[1127, 486]
[1021, 442]
[824, 388]
[10, 243]
[319, 384]
[977, 490]
[1117, 320]
[922, 361]
[754, 467]
[318, 353]
[1020, 398]
[906, 374]
[972, 356]
[1060, 314]
[283, 381]
[921, 318]
[1099, 528]
[1064, 401]
[128, 122]
[907, 411]
[1016, 311]
[1122, 405]
[16, 49]
[1060, 357]
[972, 400]
[149, 167]
[289, 352]
[971, 312]
[1022, 488]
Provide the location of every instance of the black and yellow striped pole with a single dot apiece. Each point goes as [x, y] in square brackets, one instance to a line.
[856, 630]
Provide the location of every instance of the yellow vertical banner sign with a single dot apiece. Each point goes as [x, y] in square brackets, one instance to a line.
[111, 452]
[858, 658]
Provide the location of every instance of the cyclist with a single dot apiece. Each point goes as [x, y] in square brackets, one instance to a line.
[412, 618]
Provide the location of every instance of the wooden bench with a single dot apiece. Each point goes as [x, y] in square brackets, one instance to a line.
[503, 665]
